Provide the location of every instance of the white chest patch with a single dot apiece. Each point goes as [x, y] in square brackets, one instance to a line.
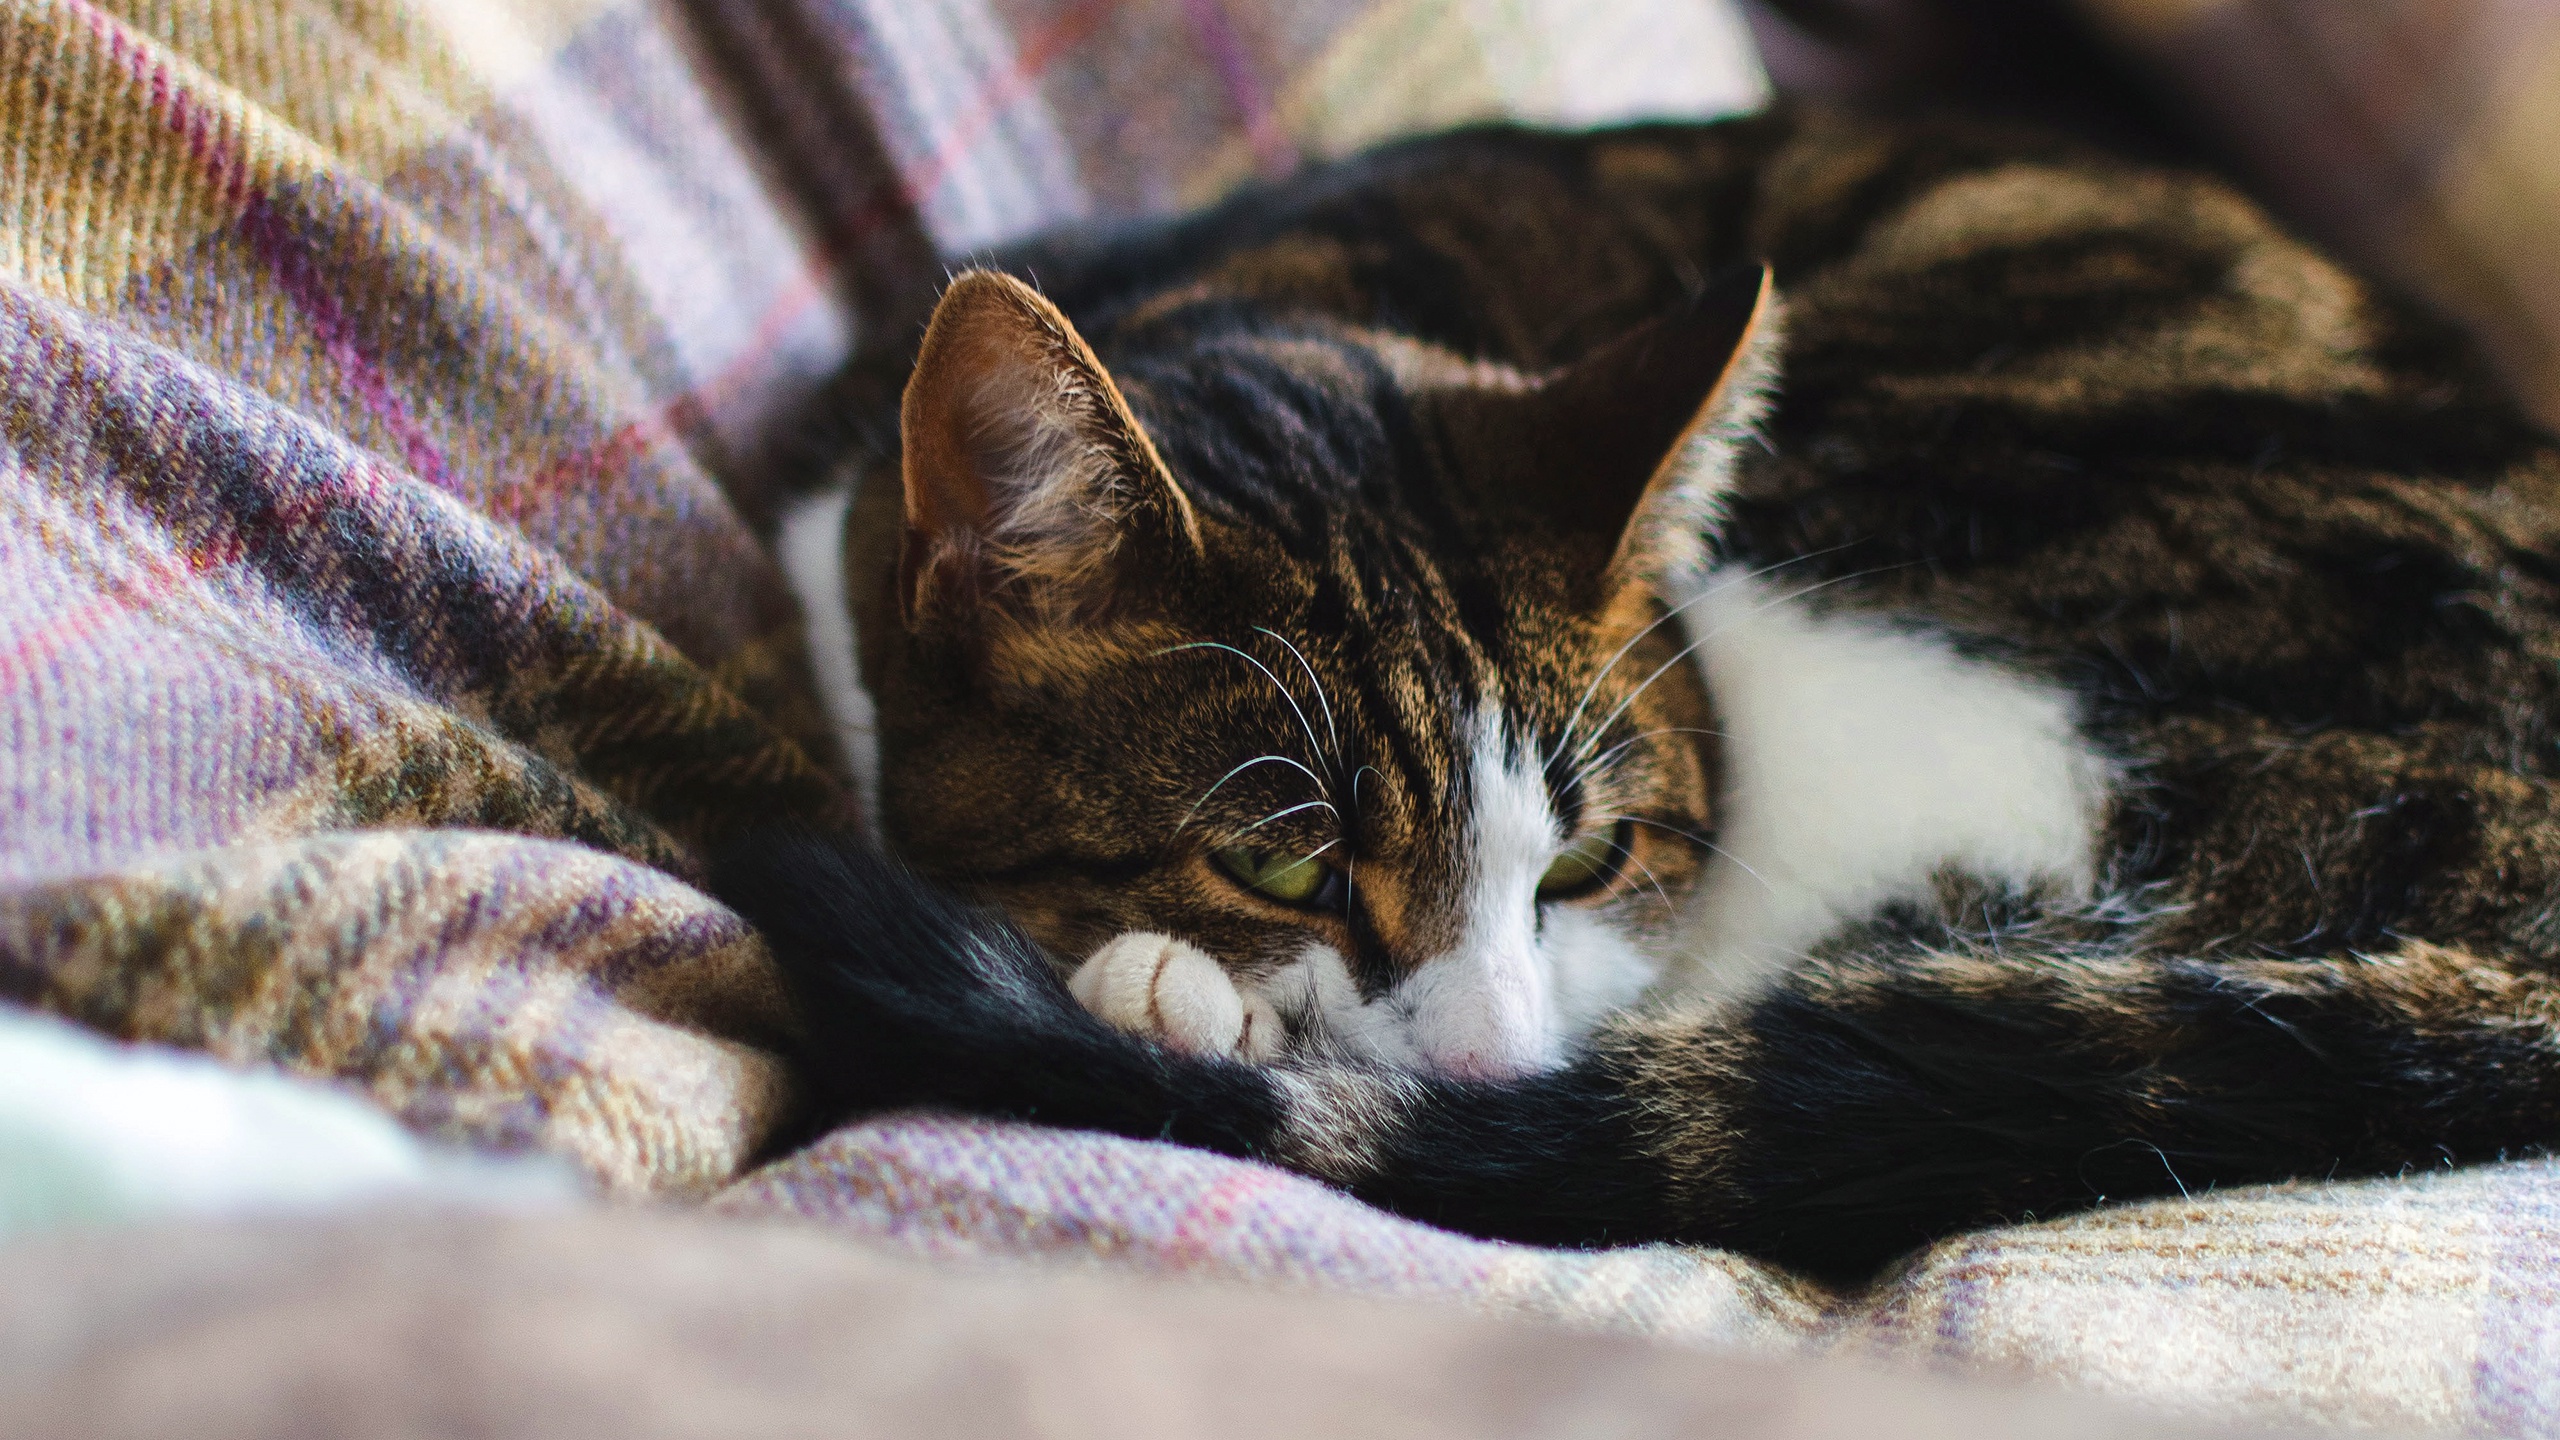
[1859, 761]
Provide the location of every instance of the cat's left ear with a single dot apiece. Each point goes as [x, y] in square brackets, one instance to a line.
[1635, 444]
[1031, 490]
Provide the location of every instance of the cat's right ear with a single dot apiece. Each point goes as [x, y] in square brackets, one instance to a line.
[1636, 443]
[1031, 490]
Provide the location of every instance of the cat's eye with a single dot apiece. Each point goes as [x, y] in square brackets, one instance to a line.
[1587, 864]
[1291, 880]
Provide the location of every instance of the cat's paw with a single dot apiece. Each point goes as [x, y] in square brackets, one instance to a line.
[1156, 986]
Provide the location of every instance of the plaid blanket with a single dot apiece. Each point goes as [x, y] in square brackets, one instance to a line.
[395, 402]
[2404, 1306]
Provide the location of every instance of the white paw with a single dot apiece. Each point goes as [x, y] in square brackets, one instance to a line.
[1156, 986]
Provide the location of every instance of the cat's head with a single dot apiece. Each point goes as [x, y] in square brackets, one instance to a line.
[1334, 654]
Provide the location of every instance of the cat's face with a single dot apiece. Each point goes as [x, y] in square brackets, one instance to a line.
[1333, 657]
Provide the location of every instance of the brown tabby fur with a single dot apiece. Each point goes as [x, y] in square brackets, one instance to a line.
[2295, 554]
[1060, 729]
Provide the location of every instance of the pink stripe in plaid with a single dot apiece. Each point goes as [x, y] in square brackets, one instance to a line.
[287, 257]
[159, 581]
[291, 261]
[893, 199]
[1226, 53]
[665, 424]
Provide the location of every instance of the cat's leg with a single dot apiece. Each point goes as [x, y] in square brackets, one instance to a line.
[1156, 986]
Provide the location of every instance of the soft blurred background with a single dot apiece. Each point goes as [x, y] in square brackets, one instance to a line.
[2418, 137]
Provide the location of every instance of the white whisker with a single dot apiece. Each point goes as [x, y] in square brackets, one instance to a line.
[1566, 735]
[1314, 746]
[1599, 761]
[1650, 877]
[1694, 646]
[1695, 839]
[1319, 850]
[1355, 787]
[1282, 815]
[1312, 680]
[1230, 775]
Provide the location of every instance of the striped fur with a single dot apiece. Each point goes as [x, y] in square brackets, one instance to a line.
[2290, 553]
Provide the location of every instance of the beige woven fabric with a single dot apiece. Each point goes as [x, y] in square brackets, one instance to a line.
[665, 1327]
[2417, 1304]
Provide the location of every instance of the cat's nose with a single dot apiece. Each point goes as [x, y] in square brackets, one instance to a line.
[1483, 1016]
[1488, 1065]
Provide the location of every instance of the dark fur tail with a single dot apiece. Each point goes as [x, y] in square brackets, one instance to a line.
[913, 998]
[1866, 1107]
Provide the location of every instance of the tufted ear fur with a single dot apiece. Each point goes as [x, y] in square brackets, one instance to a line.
[1635, 444]
[1031, 491]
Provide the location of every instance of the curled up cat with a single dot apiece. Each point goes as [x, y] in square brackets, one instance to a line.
[1785, 684]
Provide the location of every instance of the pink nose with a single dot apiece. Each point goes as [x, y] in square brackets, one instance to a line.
[1496, 1059]
[1482, 1016]
[1484, 1065]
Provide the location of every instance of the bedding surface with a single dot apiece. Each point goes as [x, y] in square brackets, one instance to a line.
[397, 401]
[657, 1327]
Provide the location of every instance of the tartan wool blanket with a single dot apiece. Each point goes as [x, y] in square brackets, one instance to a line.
[396, 401]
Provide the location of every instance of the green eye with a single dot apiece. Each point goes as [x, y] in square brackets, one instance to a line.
[1586, 864]
[1274, 876]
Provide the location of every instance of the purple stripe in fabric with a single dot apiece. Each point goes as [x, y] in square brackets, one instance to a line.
[287, 256]
[2515, 1373]
[290, 259]
[891, 200]
[225, 165]
[217, 446]
[1034, 58]
[1217, 39]
[663, 425]
[1960, 1300]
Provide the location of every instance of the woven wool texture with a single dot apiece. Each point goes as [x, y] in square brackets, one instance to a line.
[2398, 1306]
[392, 397]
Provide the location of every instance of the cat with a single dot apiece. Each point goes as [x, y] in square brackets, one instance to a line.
[1419, 682]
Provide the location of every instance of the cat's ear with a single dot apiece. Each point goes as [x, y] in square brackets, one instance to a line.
[1030, 488]
[1635, 444]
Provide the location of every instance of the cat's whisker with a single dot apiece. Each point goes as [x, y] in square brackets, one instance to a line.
[1565, 736]
[1691, 836]
[1355, 787]
[1314, 680]
[1738, 861]
[1753, 613]
[1656, 881]
[1600, 762]
[1283, 815]
[1194, 811]
[1601, 729]
[1314, 746]
[1312, 854]
[1697, 839]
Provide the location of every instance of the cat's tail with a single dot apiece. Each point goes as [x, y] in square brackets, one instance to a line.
[910, 997]
[1865, 1107]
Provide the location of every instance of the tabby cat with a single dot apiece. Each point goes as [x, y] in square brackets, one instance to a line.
[1447, 689]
